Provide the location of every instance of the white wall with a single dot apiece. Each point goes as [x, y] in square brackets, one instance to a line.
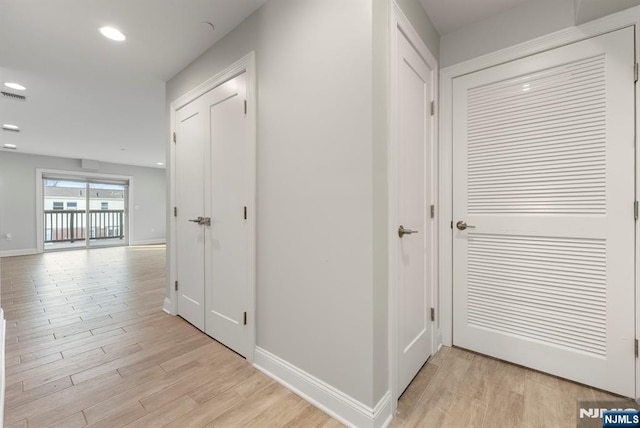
[314, 243]
[524, 22]
[18, 198]
[587, 10]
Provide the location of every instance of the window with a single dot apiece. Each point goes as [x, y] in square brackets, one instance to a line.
[58, 205]
[72, 205]
[104, 205]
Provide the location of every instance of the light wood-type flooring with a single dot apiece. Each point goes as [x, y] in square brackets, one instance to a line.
[87, 344]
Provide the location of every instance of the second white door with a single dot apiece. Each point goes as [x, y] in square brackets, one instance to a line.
[227, 191]
[415, 233]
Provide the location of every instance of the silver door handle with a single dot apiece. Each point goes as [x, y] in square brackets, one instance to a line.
[461, 225]
[402, 231]
[202, 220]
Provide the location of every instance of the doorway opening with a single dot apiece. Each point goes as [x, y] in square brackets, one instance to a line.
[83, 212]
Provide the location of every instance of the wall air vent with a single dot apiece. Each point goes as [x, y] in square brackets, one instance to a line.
[14, 97]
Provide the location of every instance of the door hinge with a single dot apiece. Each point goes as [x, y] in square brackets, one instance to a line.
[175, 286]
[635, 210]
[245, 319]
[245, 106]
[174, 137]
[451, 224]
[245, 213]
[433, 211]
[635, 347]
[635, 72]
[433, 314]
[175, 211]
[433, 108]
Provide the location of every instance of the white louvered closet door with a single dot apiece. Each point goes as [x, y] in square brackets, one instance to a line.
[543, 159]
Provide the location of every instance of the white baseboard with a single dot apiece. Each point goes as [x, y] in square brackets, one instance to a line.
[327, 398]
[149, 242]
[167, 306]
[2, 365]
[24, 252]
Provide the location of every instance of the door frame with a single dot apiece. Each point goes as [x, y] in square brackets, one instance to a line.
[75, 175]
[401, 24]
[616, 21]
[246, 65]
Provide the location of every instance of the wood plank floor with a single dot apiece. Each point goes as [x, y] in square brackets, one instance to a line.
[458, 388]
[87, 344]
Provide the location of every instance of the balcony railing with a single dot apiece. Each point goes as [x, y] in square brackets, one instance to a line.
[71, 225]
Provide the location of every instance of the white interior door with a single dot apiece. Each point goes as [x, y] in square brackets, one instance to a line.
[415, 193]
[544, 171]
[228, 192]
[190, 154]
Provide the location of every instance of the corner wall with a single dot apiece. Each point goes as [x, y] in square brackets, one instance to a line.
[421, 22]
[18, 199]
[314, 244]
[524, 22]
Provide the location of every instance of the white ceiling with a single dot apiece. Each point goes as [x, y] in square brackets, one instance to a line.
[451, 15]
[90, 97]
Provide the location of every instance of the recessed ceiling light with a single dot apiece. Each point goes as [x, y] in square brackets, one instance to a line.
[10, 146]
[160, 163]
[11, 127]
[14, 85]
[112, 33]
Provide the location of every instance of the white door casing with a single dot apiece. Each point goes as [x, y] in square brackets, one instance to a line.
[190, 156]
[415, 157]
[543, 161]
[227, 200]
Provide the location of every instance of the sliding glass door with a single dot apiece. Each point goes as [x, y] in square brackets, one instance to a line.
[107, 208]
[84, 213]
[65, 218]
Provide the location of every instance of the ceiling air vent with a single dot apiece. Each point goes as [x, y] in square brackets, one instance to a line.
[14, 97]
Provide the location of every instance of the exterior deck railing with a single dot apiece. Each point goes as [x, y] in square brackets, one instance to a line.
[71, 225]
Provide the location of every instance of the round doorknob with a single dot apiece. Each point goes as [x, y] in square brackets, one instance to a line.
[461, 225]
[402, 231]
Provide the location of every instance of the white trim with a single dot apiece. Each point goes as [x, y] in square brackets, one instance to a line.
[3, 378]
[327, 398]
[79, 174]
[20, 252]
[570, 35]
[245, 64]
[400, 23]
[149, 242]
[167, 306]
